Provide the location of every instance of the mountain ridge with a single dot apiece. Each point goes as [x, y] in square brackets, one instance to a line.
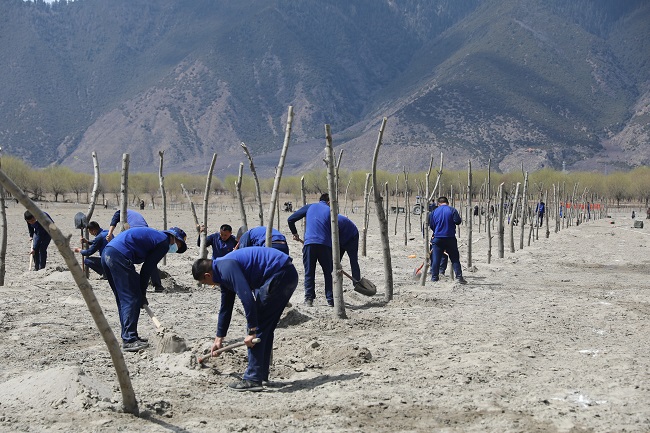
[540, 83]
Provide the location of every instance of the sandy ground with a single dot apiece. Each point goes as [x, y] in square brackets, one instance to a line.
[552, 338]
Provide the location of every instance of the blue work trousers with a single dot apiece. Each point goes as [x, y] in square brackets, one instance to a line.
[438, 247]
[270, 300]
[322, 254]
[40, 251]
[125, 283]
[352, 248]
[94, 263]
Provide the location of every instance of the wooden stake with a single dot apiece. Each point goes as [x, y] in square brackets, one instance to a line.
[278, 177]
[129, 401]
[337, 277]
[161, 181]
[383, 223]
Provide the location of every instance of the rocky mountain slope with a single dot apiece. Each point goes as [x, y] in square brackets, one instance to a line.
[532, 81]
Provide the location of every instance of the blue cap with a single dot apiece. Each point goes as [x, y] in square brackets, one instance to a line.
[179, 234]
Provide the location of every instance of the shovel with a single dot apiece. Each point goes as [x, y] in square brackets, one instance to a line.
[363, 286]
[202, 359]
[81, 222]
[169, 342]
[31, 257]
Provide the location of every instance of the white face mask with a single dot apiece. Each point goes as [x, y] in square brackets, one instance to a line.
[173, 247]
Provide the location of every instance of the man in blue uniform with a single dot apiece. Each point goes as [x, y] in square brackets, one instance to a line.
[133, 219]
[40, 240]
[317, 246]
[263, 279]
[540, 209]
[97, 245]
[443, 221]
[349, 243]
[256, 237]
[222, 243]
[134, 246]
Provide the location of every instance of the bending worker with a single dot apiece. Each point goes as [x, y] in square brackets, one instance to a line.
[263, 279]
[97, 245]
[256, 237]
[40, 239]
[131, 247]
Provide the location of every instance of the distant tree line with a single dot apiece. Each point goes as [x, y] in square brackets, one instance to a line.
[59, 184]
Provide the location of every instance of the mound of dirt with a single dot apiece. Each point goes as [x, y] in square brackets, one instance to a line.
[292, 317]
[60, 387]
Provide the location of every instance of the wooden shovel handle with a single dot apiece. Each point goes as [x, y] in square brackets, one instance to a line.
[348, 275]
[202, 359]
[154, 319]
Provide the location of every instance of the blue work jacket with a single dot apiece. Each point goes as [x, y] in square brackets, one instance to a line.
[443, 221]
[239, 274]
[317, 219]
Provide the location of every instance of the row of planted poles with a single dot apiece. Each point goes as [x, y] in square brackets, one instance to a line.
[512, 209]
[494, 209]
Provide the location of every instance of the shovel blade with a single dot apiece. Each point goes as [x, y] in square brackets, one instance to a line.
[80, 221]
[365, 287]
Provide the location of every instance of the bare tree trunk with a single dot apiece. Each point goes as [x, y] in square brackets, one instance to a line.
[501, 243]
[561, 198]
[386, 203]
[3, 221]
[345, 207]
[257, 183]
[92, 201]
[513, 214]
[383, 222]
[548, 232]
[337, 164]
[396, 203]
[337, 270]
[93, 196]
[278, 177]
[406, 206]
[129, 401]
[364, 230]
[192, 207]
[438, 183]
[161, 181]
[469, 207]
[532, 226]
[489, 216]
[425, 226]
[124, 192]
[303, 196]
[277, 209]
[524, 211]
[203, 251]
[556, 217]
[240, 196]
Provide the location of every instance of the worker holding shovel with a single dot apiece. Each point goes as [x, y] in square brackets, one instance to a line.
[133, 220]
[264, 280]
[349, 243]
[134, 246]
[40, 240]
[317, 246]
[97, 245]
[443, 222]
